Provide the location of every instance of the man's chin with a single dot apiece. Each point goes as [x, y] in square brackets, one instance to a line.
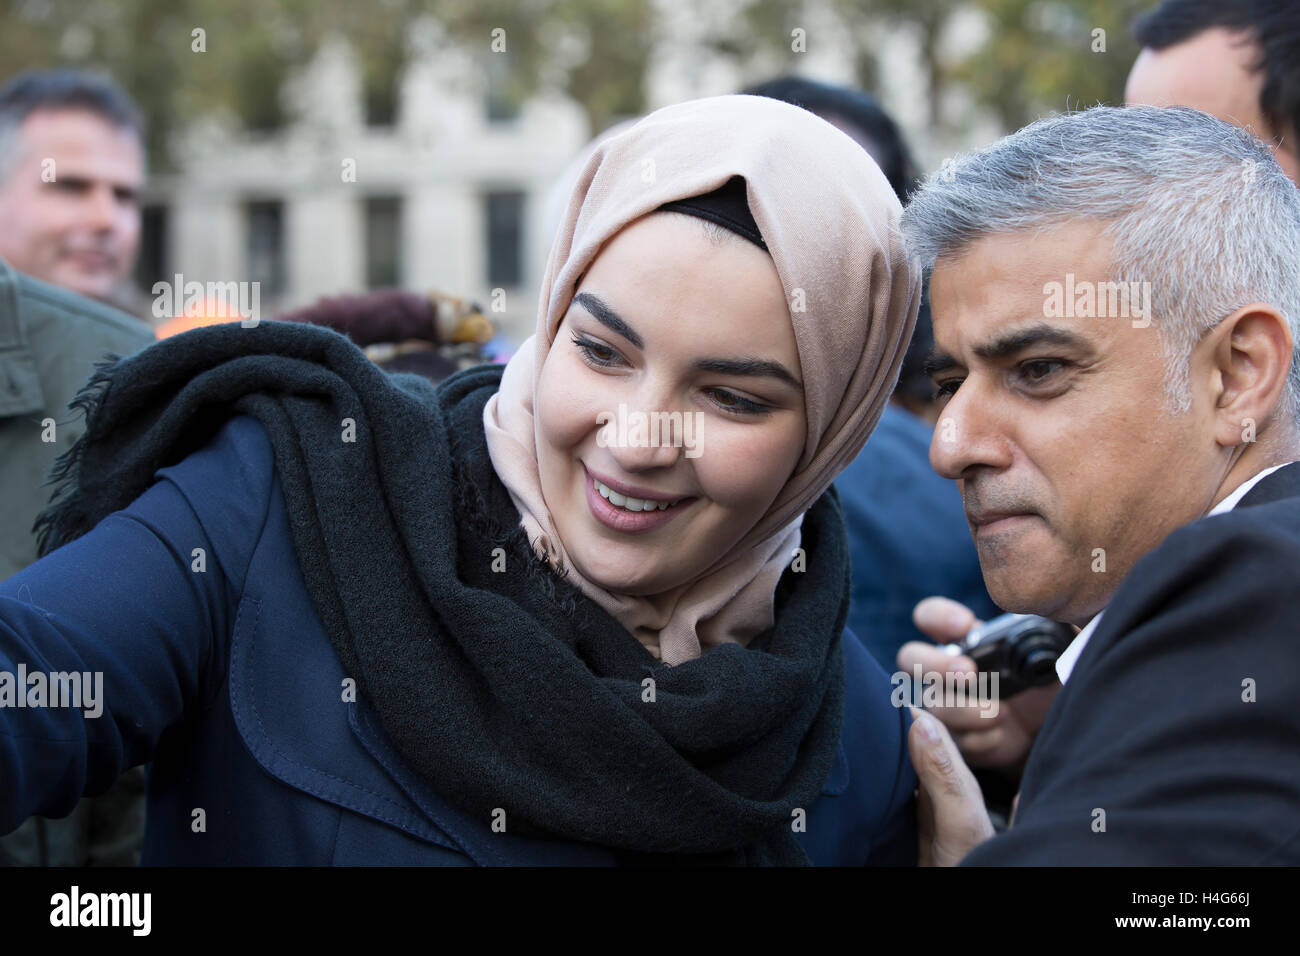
[92, 287]
[1014, 590]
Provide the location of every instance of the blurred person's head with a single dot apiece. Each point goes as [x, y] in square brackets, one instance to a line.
[863, 118]
[1115, 297]
[853, 112]
[72, 164]
[1238, 60]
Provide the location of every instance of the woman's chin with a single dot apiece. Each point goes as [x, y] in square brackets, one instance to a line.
[635, 578]
[632, 582]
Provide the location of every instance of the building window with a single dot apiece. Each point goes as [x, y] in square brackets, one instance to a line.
[501, 104]
[152, 265]
[265, 246]
[383, 242]
[379, 91]
[505, 238]
[260, 71]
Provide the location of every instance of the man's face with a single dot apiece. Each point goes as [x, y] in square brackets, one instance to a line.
[70, 201]
[1211, 72]
[1058, 429]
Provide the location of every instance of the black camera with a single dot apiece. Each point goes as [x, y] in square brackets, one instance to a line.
[1020, 648]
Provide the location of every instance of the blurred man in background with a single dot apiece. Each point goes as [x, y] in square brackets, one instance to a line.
[72, 163]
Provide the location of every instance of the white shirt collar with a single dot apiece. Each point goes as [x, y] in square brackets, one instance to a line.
[1070, 656]
[1243, 489]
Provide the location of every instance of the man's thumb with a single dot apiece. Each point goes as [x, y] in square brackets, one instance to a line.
[943, 619]
[935, 756]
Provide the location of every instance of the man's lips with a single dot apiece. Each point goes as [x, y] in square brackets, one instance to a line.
[97, 261]
[995, 520]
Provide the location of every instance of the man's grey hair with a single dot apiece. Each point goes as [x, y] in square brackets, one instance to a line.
[34, 90]
[1195, 206]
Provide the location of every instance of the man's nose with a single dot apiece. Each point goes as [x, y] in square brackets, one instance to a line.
[969, 433]
[101, 209]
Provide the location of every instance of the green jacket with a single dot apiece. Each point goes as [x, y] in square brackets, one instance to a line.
[50, 340]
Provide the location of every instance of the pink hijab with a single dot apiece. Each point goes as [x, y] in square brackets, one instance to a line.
[829, 219]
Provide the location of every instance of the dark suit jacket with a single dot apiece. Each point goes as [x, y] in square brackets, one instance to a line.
[1179, 728]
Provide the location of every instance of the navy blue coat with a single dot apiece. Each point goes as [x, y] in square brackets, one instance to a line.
[226, 680]
[908, 536]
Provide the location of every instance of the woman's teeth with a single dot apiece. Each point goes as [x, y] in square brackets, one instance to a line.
[631, 504]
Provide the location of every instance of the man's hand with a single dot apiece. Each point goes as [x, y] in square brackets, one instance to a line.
[950, 813]
[1000, 742]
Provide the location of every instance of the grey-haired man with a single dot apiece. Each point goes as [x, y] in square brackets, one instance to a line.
[1116, 296]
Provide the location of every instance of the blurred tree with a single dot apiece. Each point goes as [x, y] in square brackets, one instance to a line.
[596, 51]
[928, 17]
[39, 34]
[1038, 55]
[1045, 55]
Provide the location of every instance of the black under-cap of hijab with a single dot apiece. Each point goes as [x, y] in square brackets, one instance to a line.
[727, 206]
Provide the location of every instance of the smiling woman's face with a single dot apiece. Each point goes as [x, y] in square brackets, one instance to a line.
[691, 334]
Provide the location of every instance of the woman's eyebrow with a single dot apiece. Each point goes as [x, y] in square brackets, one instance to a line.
[755, 367]
[608, 317]
[747, 366]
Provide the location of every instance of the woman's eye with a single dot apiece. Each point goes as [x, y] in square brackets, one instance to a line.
[732, 402]
[595, 353]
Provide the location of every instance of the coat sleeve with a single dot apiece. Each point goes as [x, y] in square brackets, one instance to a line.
[896, 844]
[1177, 739]
[140, 607]
[882, 779]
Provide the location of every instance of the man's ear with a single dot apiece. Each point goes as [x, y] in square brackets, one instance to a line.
[1251, 360]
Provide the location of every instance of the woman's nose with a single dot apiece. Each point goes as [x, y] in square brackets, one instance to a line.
[642, 439]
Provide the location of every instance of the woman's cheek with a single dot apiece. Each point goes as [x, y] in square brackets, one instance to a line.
[569, 399]
[741, 463]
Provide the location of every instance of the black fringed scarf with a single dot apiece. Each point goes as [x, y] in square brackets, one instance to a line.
[505, 689]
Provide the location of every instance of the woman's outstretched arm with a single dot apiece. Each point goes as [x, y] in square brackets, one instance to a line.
[115, 637]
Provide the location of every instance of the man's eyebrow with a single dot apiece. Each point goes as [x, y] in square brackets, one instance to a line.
[1007, 345]
[608, 317]
[937, 362]
[752, 367]
[1022, 338]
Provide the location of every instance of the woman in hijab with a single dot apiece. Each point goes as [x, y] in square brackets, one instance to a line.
[354, 619]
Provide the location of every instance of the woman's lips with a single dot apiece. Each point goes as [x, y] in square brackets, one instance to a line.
[631, 522]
